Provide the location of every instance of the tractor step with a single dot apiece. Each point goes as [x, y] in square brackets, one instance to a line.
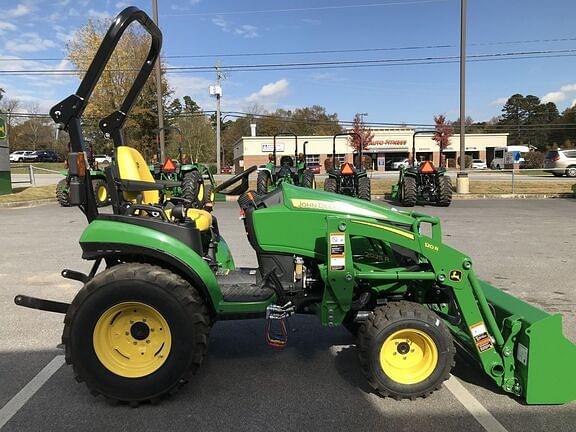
[241, 286]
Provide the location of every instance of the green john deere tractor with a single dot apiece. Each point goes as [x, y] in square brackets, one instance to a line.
[346, 178]
[291, 170]
[163, 274]
[192, 181]
[98, 183]
[422, 182]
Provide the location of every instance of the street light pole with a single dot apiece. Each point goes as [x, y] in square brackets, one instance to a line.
[159, 102]
[462, 183]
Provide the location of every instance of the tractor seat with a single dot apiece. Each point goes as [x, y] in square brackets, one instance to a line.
[133, 167]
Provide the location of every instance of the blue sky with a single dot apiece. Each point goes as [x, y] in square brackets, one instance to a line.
[39, 28]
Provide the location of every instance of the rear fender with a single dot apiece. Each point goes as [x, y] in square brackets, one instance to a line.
[117, 239]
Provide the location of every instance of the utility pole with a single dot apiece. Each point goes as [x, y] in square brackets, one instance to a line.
[462, 182]
[158, 74]
[216, 90]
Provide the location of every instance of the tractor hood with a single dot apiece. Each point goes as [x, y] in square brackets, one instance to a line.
[299, 198]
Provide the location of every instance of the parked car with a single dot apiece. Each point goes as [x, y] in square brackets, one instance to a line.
[314, 167]
[19, 155]
[560, 162]
[479, 164]
[46, 156]
[404, 163]
[226, 170]
[103, 159]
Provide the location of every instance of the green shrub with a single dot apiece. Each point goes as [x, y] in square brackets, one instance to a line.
[533, 159]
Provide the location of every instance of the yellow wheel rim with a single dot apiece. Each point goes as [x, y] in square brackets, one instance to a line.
[102, 193]
[132, 339]
[201, 192]
[408, 356]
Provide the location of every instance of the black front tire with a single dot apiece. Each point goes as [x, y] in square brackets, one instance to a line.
[444, 191]
[191, 184]
[263, 182]
[364, 188]
[174, 298]
[62, 193]
[330, 185]
[410, 318]
[409, 193]
[101, 193]
[571, 171]
[308, 180]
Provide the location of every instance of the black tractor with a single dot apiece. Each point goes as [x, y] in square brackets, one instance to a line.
[346, 178]
[291, 170]
[423, 182]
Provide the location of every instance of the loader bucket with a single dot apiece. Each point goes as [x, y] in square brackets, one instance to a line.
[545, 359]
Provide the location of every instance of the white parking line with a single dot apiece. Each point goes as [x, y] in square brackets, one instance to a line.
[481, 414]
[19, 400]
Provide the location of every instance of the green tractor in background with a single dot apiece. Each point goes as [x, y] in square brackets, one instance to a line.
[423, 182]
[194, 181]
[139, 327]
[346, 178]
[98, 184]
[291, 170]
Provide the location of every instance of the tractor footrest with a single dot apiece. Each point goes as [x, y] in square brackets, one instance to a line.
[245, 292]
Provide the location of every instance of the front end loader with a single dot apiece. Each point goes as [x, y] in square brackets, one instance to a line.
[346, 178]
[422, 182]
[162, 275]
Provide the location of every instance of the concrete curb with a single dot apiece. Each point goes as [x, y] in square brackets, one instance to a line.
[23, 204]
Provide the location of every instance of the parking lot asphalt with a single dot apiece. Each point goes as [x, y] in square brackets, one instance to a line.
[525, 247]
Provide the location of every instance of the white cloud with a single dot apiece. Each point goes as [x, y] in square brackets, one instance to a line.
[568, 88]
[29, 42]
[270, 93]
[98, 14]
[63, 2]
[184, 7]
[573, 103]
[499, 101]
[555, 96]
[7, 26]
[20, 10]
[312, 21]
[245, 30]
[122, 5]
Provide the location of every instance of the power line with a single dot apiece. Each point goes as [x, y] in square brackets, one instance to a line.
[322, 51]
[325, 64]
[306, 9]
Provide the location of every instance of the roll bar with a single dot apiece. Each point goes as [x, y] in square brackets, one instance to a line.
[68, 112]
[414, 144]
[334, 147]
[287, 133]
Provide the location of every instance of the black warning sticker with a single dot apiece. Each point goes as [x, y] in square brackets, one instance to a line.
[337, 251]
[481, 337]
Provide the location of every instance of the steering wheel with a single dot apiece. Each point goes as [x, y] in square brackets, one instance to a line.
[243, 176]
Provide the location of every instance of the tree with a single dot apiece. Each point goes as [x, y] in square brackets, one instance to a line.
[364, 135]
[120, 72]
[443, 132]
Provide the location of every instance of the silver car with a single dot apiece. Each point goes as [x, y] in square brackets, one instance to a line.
[561, 162]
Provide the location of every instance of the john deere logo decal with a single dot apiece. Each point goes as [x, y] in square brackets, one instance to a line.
[456, 275]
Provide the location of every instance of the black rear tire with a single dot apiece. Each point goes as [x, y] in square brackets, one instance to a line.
[409, 194]
[571, 171]
[101, 193]
[263, 182]
[191, 184]
[308, 180]
[421, 327]
[62, 193]
[330, 185]
[364, 188]
[208, 201]
[179, 304]
[444, 191]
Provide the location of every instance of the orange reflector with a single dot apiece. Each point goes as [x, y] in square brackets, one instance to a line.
[427, 167]
[347, 169]
[169, 166]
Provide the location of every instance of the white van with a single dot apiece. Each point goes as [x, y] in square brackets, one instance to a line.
[505, 156]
